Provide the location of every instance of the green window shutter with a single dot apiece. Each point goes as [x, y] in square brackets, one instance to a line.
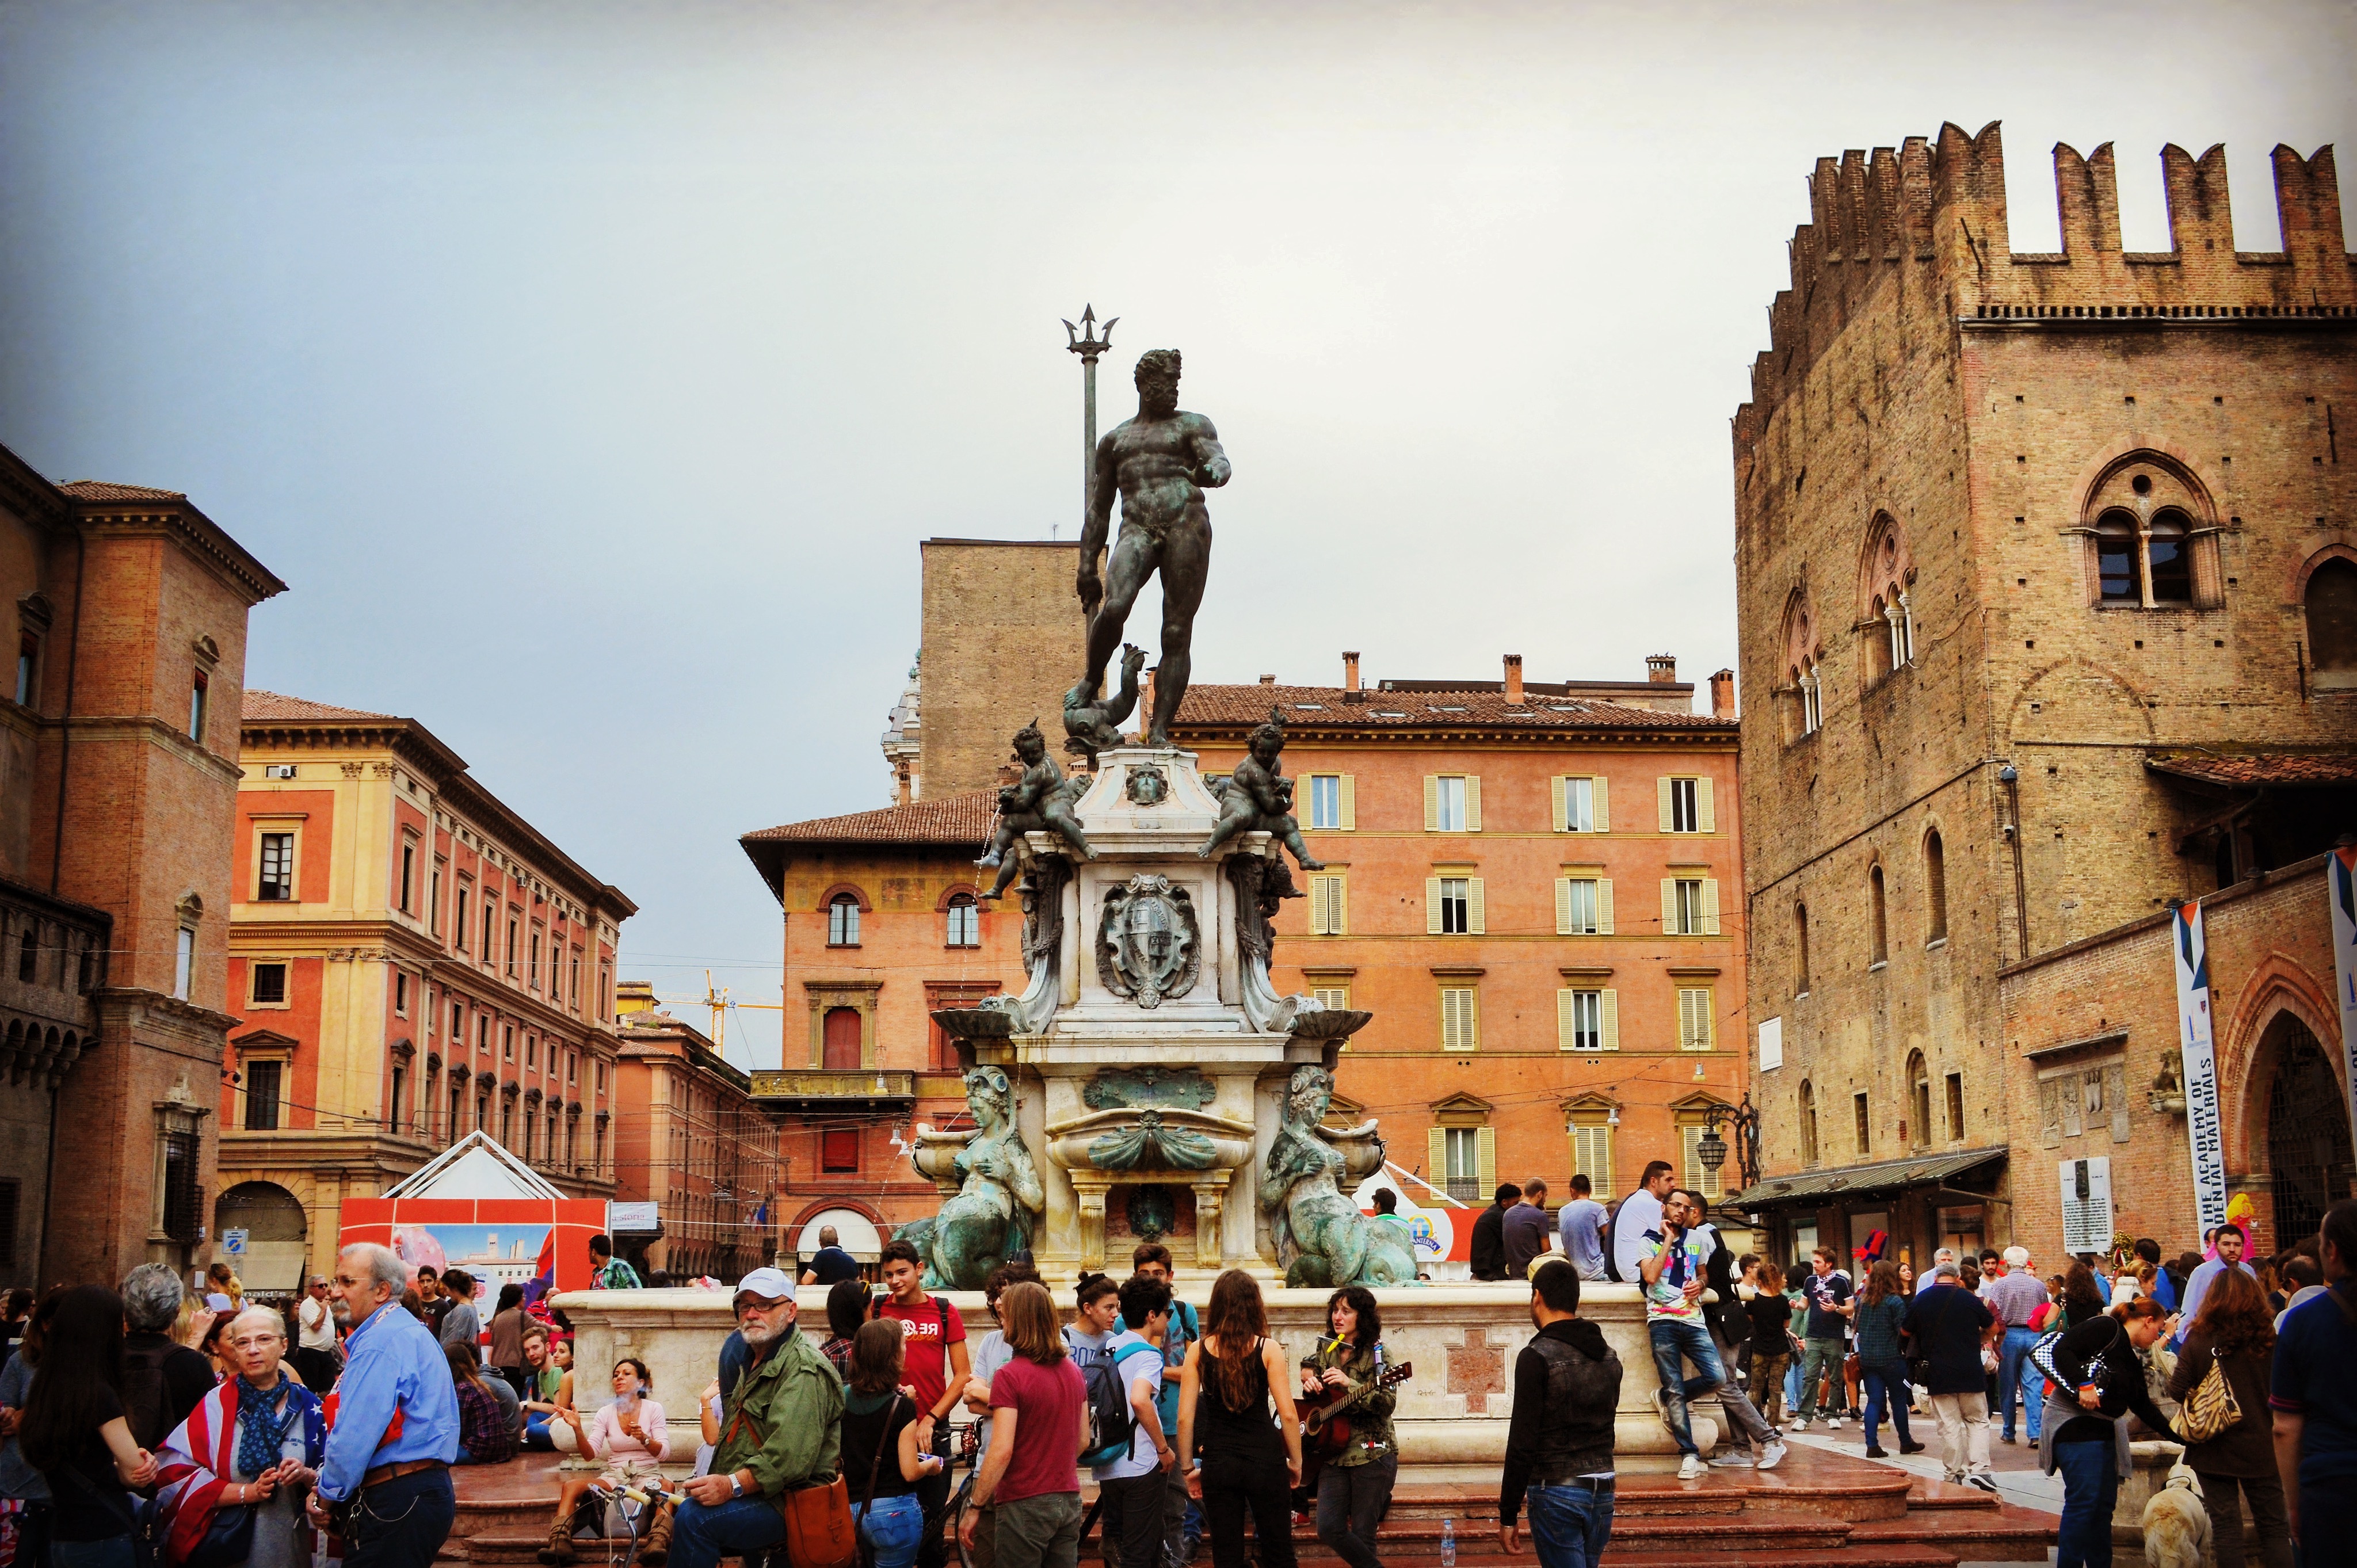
[1435, 1158]
[1611, 1011]
[1705, 819]
[1477, 919]
[1669, 905]
[1431, 806]
[1349, 804]
[1604, 905]
[1487, 1143]
[1709, 902]
[1664, 794]
[1554, 789]
[1562, 904]
[1472, 803]
[1603, 805]
[1432, 906]
[1562, 1031]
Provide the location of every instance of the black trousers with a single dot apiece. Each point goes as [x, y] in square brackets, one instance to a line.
[1133, 1519]
[1232, 1488]
[402, 1522]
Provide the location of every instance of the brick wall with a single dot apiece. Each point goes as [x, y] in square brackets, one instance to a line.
[1003, 641]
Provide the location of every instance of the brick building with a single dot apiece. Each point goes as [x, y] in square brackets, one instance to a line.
[411, 961]
[1002, 640]
[2021, 540]
[1523, 885]
[688, 1139]
[118, 787]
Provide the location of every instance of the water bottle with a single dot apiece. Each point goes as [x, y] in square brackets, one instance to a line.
[1448, 1543]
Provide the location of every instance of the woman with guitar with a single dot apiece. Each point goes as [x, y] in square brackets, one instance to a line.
[1350, 1460]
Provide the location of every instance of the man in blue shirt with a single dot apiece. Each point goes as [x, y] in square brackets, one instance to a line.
[2313, 1393]
[394, 1422]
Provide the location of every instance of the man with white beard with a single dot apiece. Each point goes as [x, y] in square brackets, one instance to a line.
[780, 1427]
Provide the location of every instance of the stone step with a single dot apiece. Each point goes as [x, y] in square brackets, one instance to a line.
[2002, 1534]
[1942, 1494]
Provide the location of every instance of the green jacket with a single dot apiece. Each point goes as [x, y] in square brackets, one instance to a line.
[1369, 1408]
[783, 1421]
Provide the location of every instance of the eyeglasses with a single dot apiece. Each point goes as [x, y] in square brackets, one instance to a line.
[759, 1304]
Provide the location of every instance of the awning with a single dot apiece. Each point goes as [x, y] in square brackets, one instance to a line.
[2280, 770]
[1814, 1188]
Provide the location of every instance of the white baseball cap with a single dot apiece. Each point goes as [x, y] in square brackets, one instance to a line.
[769, 1283]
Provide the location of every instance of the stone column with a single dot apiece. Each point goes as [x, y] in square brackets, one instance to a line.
[1089, 1187]
[1209, 1196]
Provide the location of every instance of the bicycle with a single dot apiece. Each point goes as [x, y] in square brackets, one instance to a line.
[969, 1446]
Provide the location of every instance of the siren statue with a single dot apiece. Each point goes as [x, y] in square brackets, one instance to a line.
[999, 1203]
[1322, 1240]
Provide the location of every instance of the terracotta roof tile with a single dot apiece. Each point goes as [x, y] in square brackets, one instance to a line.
[104, 490]
[963, 819]
[266, 708]
[2246, 772]
[1309, 707]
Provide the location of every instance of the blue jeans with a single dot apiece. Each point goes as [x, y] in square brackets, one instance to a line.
[114, 1551]
[2090, 1485]
[2014, 1369]
[1674, 1338]
[401, 1523]
[1886, 1386]
[893, 1527]
[1569, 1523]
[535, 1432]
[702, 1536]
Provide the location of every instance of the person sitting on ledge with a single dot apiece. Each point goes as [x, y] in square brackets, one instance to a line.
[630, 1434]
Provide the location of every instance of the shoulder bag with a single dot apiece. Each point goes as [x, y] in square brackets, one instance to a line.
[2211, 1409]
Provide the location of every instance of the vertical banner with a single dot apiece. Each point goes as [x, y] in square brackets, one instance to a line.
[2203, 1128]
[2341, 889]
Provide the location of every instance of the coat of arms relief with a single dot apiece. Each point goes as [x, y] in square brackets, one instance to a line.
[1148, 942]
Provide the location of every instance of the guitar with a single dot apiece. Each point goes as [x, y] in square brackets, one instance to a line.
[1326, 1426]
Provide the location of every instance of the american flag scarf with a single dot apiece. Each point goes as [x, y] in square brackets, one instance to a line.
[200, 1457]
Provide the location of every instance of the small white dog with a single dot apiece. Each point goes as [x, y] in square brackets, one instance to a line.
[2176, 1522]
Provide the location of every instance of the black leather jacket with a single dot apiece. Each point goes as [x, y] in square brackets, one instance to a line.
[1567, 1385]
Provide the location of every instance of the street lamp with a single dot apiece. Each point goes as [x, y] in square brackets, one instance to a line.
[1744, 1121]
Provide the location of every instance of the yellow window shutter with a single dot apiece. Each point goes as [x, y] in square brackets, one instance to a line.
[1431, 805]
[1431, 901]
[1554, 789]
[1591, 1155]
[1562, 905]
[1338, 921]
[1703, 819]
[1669, 904]
[1604, 905]
[1486, 1143]
[1318, 927]
[1709, 902]
[1610, 1005]
[1562, 1030]
[1664, 791]
[1475, 919]
[1603, 805]
[1435, 1158]
[1472, 803]
[1349, 804]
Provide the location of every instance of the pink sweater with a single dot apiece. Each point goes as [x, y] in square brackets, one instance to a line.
[607, 1438]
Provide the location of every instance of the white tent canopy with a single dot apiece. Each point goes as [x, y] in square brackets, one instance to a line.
[475, 1166]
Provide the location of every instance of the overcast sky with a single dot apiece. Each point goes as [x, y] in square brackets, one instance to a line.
[590, 373]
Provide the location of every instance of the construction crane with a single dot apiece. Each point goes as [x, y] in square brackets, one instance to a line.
[718, 999]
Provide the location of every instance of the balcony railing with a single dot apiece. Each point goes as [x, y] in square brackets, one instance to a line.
[835, 1086]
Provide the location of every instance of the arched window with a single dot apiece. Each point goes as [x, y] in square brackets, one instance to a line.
[1800, 949]
[2332, 606]
[1808, 1123]
[842, 1033]
[2147, 541]
[1888, 623]
[843, 921]
[2119, 564]
[1879, 912]
[2171, 564]
[964, 921]
[1935, 886]
[1807, 709]
[1919, 1099]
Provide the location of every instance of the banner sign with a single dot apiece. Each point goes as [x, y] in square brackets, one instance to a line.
[2203, 1125]
[2341, 889]
[2087, 1206]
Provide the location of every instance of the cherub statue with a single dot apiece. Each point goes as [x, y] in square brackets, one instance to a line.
[1259, 797]
[1095, 726]
[1037, 800]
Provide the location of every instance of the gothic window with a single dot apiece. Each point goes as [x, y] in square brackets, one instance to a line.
[2168, 553]
[1800, 949]
[1879, 914]
[1935, 888]
[2119, 565]
[1888, 623]
[2150, 538]
[2330, 604]
[1803, 697]
[1808, 1123]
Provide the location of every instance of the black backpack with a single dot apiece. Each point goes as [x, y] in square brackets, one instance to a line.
[146, 1401]
[1113, 1422]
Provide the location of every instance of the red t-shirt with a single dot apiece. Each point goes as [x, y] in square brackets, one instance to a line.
[1047, 1405]
[927, 1346]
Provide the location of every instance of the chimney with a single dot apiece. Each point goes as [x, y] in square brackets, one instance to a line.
[1662, 667]
[1268, 680]
[1513, 680]
[901, 770]
[1722, 695]
[1349, 671]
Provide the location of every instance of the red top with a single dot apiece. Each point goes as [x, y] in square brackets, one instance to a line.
[1047, 1405]
[927, 1346]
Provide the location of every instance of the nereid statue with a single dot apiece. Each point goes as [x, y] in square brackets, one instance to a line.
[1258, 798]
[1322, 1239]
[1039, 799]
[998, 1206]
[1160, 461]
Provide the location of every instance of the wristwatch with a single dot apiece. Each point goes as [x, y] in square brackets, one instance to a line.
[736, 1486]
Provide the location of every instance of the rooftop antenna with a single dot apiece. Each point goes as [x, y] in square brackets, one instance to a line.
[1088, 345]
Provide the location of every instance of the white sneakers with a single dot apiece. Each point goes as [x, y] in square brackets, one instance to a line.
[1770, 1456]
[1691, 1468]
[1833, 1424]
[1801, 1424]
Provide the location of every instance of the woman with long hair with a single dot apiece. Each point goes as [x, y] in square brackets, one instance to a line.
[19, 1480]
[846, 1309]
[1355, 1486]
[74, 1433]
[2236, 1334]
[2082, 1297]
[2098, 1380]
[1250, 1461]
[1772, 1339]
[548, 1379]
[250, 1449]
[881, 1464]
[1030, 1479]
[1883, 1358]
[630, 1435]
[484, 1436]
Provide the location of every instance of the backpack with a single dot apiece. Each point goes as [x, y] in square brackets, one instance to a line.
[1113, 1424]
[147, 1401]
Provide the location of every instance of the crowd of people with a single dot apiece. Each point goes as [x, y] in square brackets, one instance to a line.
[211, 1431]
